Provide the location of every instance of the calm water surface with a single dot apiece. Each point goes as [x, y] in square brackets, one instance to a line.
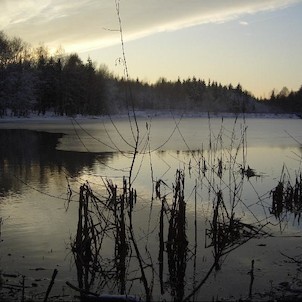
[42, 160]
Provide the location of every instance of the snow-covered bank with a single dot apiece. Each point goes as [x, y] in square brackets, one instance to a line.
[50, 116]
[193, 114]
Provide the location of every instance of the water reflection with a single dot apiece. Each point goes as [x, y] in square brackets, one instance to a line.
[114, 254]
[30, 157]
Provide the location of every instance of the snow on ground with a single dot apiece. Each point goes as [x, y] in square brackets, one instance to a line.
[51, 116]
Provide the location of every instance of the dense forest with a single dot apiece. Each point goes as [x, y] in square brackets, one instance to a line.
[32, 80]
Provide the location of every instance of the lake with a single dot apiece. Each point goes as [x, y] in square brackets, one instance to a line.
[210, 181]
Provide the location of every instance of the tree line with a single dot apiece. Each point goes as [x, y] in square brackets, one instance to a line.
[32, 80]
[286, 101]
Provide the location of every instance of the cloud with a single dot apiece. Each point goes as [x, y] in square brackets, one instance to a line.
[14, 11]
[80, 25]
[244, 23]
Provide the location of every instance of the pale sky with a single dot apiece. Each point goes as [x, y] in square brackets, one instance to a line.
[255, 43]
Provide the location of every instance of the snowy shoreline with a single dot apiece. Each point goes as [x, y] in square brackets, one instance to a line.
[50, 116]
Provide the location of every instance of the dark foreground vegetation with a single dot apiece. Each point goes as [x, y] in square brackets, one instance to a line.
[32, 80]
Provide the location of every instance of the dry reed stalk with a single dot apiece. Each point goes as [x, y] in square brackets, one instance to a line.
[177, 244]
[121, 244]
[161, 245]
[52, 281]
[252, 279]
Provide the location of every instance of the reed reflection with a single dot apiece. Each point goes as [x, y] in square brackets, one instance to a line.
[287, 197]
